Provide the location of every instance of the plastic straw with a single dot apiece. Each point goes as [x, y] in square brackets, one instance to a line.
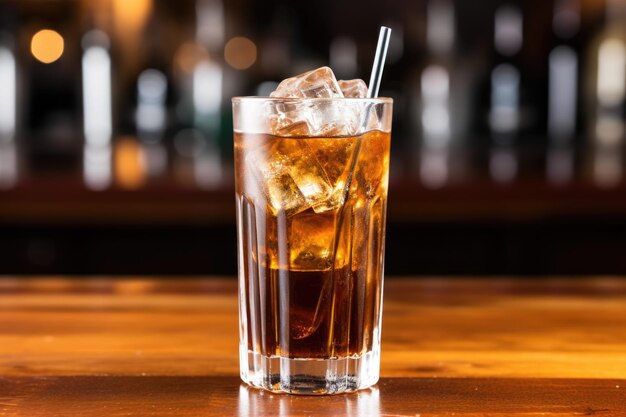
[372, 92]
[379, 62]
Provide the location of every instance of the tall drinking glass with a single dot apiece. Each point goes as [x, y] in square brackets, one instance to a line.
[311, 203]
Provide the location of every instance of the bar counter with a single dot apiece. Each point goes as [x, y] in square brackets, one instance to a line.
[95, 346]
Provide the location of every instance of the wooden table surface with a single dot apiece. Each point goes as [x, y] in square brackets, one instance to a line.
[154, 347]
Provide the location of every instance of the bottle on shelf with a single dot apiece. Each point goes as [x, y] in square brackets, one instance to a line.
[435, 97]
[504, 114]
[606, 87]
[201, 79]
[97, 110]
[8, 113]
[563, 81]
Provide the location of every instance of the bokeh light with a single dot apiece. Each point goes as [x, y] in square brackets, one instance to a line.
[131, 14]
[47, 46]
[188, 56]
[240, 53]
[129, 163]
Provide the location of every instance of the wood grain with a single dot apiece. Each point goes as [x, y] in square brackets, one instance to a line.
[496, 347]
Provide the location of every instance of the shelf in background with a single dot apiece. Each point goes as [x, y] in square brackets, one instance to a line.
[60, 201]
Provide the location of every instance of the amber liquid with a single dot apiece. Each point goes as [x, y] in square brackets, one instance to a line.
[310, 253]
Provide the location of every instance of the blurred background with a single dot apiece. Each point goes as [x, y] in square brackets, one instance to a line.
[116, 132]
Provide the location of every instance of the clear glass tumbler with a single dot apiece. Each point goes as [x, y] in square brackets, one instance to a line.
[311, 191]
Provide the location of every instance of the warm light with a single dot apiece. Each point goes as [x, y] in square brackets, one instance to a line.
[133, 287]
[130, 164]
[131, 14]
[611, 72]
[240, 53]
[188, 56]
[47, 46]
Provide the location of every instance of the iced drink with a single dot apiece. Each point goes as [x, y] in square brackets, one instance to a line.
[311, 170]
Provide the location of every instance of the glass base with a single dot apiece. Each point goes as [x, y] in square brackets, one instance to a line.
[310, 376]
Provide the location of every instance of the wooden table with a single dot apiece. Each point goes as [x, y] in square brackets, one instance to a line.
[500, 347]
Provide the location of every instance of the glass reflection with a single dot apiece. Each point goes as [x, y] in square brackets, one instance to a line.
[254, 402]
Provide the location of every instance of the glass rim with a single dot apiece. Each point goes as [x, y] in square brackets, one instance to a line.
[381, 100]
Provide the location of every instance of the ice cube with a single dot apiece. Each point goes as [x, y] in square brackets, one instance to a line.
[290, 176]
[317, 118]
[311, 241]
[353, 88]
[318, 83]
[335, 156]
[313, 118]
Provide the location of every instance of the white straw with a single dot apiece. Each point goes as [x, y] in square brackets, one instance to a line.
[379, 62]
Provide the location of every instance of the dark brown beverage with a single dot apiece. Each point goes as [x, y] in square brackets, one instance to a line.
[311, 252]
